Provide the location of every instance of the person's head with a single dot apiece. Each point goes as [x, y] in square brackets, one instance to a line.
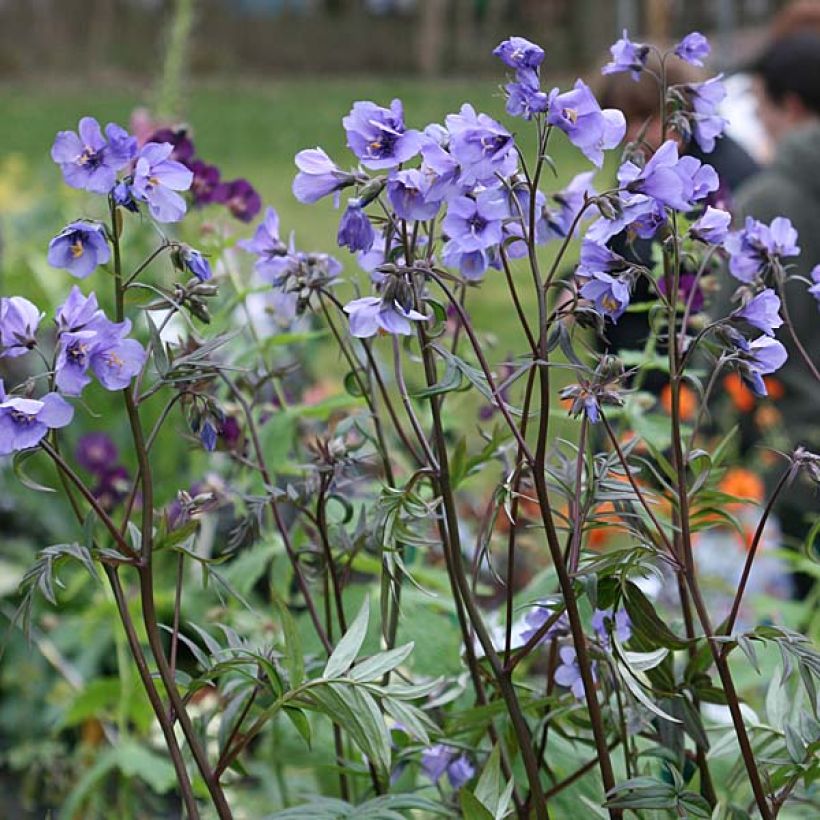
[787, 77]
[639, 99]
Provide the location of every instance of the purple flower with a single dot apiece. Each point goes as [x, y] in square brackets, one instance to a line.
[595, 258]
[435, 760]
[438, 759]
[460, 772]
[693, 48]
[370, 314]
[518, 52]
[24, 422]
[77, 312]
[537, 617]
[712, 227]
[123, 195]
[377, 135]
[707, 124]
[318, 176]
[90, 161]
[765, 355]
[603, 623]
[762, 312]
[569, 202]
[475, 224]
[579, 116]
[157, 178]
[814, 289]
[19, 320]
[483, 148]
[241, 198]
[757, 246]
[207, 435]
[79, 248]
[675, 182]
[471, 264]
[205, 185]
[409, 194]
[112, 488]
[627, 56]
[525, 97]
[609, 293]
[196, 263]
[96, 452]
[441, 171]
[355, 231]
[103, 348]
[266, 244]
[568, 672]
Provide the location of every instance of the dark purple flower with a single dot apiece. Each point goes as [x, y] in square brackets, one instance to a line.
[112, 488]
[178, 137]
[96, 452]
[765, 355]
[241, 199]
[377, 135]
[686, 282]
[355, 231]
[707, 124]
[609, 293]
[712, 227]
[757, 246]
[318, 176]
[483, 148]
[476, 224]
[157, 178]
[196, 263]
[603, 623]
[537, 617]
[19, 320]
[24, 422]
[370, 314]
[409, 194]
[579, 116]
[762, 312]
[89, 160]
[518, 52]
[205, 185]
[693, 48]
[79, 248]
[627, 56]
[814, 289]
[569, 673]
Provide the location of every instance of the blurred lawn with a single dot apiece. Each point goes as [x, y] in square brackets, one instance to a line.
[254, 129]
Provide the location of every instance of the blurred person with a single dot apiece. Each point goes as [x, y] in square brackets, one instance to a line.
[740, 105]
[787, 80]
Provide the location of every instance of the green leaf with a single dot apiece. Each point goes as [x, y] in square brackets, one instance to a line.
[374, 667]
[647, 622]
[293, 657]
[29, 483]
[472, 808]
[451, 380]
[488, 789]
[348, 648]
[300, 722]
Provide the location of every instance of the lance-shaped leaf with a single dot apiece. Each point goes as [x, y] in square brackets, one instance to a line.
[345, 653]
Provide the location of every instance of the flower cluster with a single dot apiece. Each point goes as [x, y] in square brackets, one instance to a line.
[93, 162]
[439, 760]
[98, 455]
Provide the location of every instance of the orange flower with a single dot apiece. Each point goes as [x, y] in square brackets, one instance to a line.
[608, 523]
[774, 387]
[687, 400]
[742, 398]
[743, 484]
[767, 417]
